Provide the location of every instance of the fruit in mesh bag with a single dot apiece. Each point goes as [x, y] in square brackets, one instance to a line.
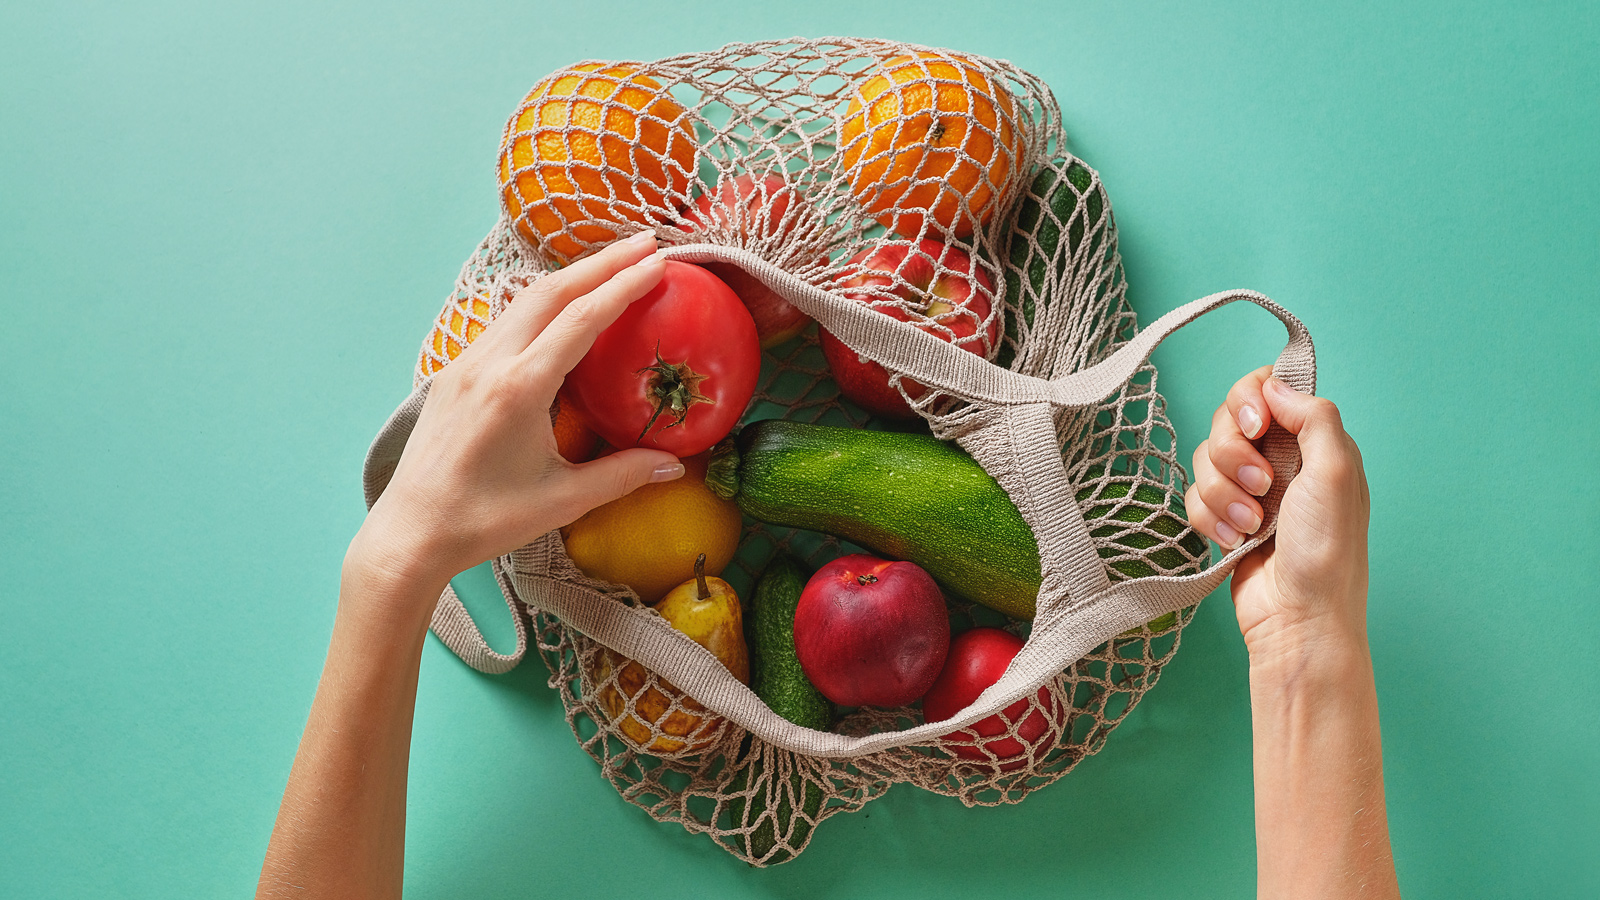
[594, 148]
[978, 657]
[871, 632]
[758, 214]
[459, 325]
[649, 539]
[575, 441]
[931, 136]
[675, 371]
[939, 290]
[707, 609]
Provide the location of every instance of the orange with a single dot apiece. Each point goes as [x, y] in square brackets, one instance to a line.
[574, 439]
[930, 136]
[591, 148]
[649, 539]
[459, 325]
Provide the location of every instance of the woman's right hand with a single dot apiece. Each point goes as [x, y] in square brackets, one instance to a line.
[481, 475]
[1310, 580]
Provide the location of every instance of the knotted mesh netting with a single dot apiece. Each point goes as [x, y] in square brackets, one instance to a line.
[794, 164]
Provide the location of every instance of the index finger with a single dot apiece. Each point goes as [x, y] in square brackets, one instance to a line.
[535, 306]
[563, 343]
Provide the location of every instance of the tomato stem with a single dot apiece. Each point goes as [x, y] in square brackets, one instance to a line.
[671, 386]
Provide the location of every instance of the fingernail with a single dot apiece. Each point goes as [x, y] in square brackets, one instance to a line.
[1244, 517]
[667, 472]
[1254, 479]
[1226, 534]
[1281, 386]
[1249, 420]
[642, 238]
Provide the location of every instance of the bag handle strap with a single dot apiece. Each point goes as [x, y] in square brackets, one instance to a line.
[1089, 602]
[1081, 615]
[939, 364]
[1072, 568]
[451, 621]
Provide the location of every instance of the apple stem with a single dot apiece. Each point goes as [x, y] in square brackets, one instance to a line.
[700, 577]
[865, 580]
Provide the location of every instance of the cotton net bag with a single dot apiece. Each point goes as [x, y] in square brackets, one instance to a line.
[1052, 395]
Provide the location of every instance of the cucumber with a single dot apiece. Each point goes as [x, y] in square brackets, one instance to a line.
[775, 673]
[917, 498]
[760, 840]
[1051, 203]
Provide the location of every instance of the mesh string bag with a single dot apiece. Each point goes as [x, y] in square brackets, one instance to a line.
[950, 157]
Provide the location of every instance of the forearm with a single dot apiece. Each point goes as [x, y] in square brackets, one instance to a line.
[1321, 827]
[341, 829]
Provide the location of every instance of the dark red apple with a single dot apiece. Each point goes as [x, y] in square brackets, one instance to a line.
[977, 659]
[871, 632]
[756, 212]
[941, 286]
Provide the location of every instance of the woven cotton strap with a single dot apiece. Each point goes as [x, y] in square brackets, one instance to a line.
[1079, 608]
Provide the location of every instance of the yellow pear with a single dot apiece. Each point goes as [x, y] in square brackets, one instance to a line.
[707, 609]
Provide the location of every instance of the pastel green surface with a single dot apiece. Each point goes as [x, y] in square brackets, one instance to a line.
[224, 229]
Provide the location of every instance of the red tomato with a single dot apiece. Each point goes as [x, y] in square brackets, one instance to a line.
[675, 371]
[977, 659]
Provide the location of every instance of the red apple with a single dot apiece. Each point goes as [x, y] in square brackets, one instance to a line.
[871, 632]
[943, 288]
[977, 659]
[755, 212]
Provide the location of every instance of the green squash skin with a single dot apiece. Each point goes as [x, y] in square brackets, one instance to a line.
[1167, 525]
[775, 673]
[903, 496]
[914, 497]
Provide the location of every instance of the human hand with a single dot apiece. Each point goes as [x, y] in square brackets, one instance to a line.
[480, 474]
[1310, 580]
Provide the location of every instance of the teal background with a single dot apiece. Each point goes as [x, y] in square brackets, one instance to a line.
[224, 230]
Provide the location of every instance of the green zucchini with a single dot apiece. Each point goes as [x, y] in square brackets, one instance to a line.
[917, 498]
[904, 496]
[1054, 201]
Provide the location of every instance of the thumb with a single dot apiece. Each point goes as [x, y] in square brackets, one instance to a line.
[1315, 421]
[605, 479]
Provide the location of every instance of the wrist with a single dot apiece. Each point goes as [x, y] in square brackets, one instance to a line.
[1318, 652]
[397, 546]
[392, 573]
